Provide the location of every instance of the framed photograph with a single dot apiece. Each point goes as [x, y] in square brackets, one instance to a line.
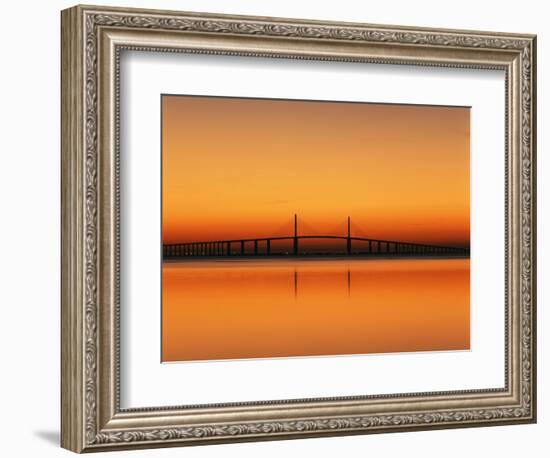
[278, 228]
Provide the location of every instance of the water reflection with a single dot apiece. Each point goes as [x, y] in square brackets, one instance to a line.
[231, 309]
[296, 280]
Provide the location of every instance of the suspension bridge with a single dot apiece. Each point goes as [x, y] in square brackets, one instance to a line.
[263, 246]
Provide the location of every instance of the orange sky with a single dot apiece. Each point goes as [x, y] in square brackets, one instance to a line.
[236, 168]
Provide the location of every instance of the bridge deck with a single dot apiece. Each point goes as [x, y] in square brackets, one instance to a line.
[373, 246]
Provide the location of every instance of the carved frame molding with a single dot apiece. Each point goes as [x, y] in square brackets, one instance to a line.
[92, 39]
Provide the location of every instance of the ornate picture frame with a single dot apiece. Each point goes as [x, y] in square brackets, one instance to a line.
[92, 41]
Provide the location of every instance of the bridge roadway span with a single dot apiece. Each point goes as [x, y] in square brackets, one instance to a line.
[370, 246]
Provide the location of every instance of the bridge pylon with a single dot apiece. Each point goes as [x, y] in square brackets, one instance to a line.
[348, 241]
[295, 234]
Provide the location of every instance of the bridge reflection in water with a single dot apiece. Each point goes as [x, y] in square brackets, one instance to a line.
[262, 246]
[215, 309]
[297, 279]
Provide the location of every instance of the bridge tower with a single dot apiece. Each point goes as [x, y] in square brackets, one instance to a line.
[348, 244]
[295, 234]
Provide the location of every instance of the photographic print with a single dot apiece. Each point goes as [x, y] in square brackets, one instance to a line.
[299, 228]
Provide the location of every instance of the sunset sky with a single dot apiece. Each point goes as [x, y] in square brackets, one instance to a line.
[236, 168]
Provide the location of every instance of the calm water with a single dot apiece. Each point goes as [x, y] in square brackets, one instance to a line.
[231, 309]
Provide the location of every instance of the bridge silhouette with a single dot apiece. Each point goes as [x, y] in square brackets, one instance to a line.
[262, 246]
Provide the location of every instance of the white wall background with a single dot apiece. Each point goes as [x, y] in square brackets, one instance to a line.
[29, 196]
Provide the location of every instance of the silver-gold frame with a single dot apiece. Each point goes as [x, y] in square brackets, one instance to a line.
[92, 41]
